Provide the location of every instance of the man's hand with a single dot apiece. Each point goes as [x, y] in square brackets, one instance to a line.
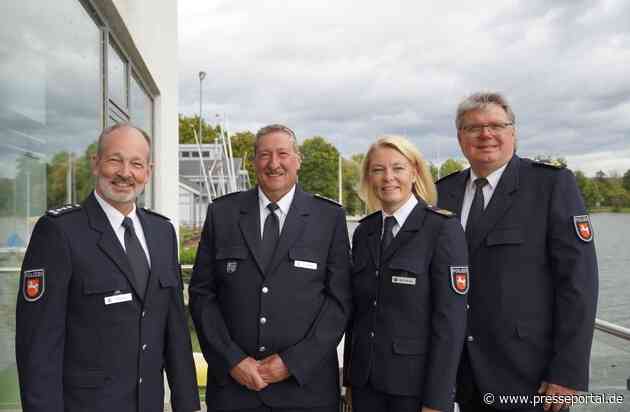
[554, 389]
[427, 409]
[272, 369]
[246, 373]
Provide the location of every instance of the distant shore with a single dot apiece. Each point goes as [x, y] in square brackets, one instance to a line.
[609, 210]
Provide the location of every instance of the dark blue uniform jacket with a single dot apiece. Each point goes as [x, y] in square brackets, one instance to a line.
[74, 352]
[408, 321]
[298, 308]
[533, 281]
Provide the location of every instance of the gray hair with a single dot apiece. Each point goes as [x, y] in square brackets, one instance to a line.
[111, 129]
[479, 101]
[273, 128]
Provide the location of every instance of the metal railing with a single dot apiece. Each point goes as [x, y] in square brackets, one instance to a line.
[612, 329]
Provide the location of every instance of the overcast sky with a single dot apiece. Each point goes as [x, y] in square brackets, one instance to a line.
[352, 70]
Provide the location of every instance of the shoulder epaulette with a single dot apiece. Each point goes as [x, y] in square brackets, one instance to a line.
[62, 210]
[369, 216]
[553, 164]
[318, 196]
[439, 211]
[449, 176]
[226, 196]
[153, 212]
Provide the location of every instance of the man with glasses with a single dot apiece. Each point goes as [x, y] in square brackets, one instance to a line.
[533, 280]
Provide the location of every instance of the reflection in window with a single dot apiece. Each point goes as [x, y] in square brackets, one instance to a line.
[117, 77]
[141, 114]
[140, 107]
[50, 105]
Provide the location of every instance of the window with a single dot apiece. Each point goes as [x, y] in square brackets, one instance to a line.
[53, 106]
[50, 116]
[140, 106]
[117, 76]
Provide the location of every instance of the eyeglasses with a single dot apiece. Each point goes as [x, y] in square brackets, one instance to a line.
[476, 129]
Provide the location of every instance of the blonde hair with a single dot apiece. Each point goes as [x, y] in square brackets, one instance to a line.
[422, 187]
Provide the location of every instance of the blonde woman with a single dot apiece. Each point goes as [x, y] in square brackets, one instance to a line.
[409, 281]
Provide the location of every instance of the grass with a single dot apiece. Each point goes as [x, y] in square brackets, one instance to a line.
[9, 390]
[188, 242]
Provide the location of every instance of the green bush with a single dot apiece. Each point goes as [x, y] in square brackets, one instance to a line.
[187, 255]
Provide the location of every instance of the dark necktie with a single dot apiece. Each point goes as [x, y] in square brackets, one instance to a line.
[136, 256]
[271, 234]
[388, 233]
[476, 208]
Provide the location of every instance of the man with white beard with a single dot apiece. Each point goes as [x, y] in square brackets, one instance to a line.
[100, 313]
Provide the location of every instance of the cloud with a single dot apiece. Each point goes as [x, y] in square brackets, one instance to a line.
[350, 73]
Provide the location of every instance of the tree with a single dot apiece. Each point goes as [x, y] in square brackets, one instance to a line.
[434, 171]
[613, 193]
[7, 187]
[243, 147]
[450, 166]
[358, 159]
[84, 181]
[318, 173]
[589, 189]
[625, 180]
[351, 201]
[600, 176]
[188, 124]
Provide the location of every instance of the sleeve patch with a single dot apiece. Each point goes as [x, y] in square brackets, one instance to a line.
[34, 284]
[583, 228]
[460, 279]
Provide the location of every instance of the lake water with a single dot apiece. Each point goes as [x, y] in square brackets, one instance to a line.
[612, 242]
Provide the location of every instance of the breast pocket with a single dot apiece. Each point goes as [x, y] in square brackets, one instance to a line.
[512, 235]
[109, 297]
[230, 259]
[104, 284]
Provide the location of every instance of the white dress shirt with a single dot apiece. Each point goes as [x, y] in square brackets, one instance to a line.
[284, 204]
[400, 215]
[488, 190]
[115, 220]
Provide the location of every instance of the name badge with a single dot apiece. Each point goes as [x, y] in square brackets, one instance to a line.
[305, 265]
[404, 280]
[122, 297]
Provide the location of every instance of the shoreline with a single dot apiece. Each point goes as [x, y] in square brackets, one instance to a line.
[622, 210]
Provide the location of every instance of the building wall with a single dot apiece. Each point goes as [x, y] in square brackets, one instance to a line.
[153, 28]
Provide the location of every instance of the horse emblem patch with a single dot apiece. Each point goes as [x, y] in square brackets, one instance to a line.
[34, 284]
[460, 279]
[583, 227]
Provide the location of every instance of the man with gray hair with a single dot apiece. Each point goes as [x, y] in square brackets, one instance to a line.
[270, 291]
[100, 311]
[534, 278]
